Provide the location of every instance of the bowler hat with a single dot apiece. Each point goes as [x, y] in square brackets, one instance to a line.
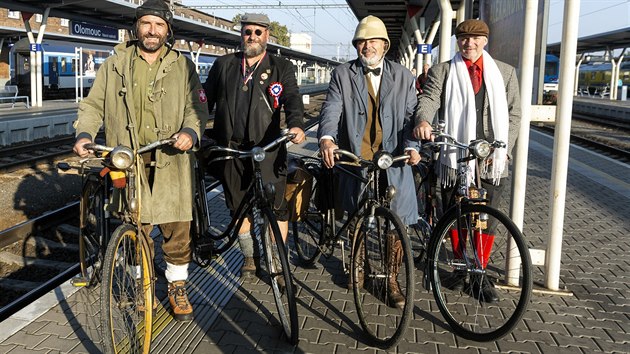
[472, 28]
[255, 19]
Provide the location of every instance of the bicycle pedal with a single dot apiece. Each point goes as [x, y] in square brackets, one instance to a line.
[79, 282]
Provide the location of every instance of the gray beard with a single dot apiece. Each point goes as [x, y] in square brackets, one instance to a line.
[254, 50]
[370, 62]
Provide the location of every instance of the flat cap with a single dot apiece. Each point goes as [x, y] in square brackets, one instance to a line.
[255, 19]
[472, 28]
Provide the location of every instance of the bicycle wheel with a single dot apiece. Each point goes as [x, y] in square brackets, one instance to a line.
[309, 232]
[91, 234]
[383, 278]
[279, 274]
[469, 271]
[127, 287]
[201, 246]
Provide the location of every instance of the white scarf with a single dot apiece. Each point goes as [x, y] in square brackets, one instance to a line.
[461, 119]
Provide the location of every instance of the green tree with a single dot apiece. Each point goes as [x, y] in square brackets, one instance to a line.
[278, 31]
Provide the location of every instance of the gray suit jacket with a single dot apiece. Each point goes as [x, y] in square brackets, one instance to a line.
[432, 101]
[343, 116]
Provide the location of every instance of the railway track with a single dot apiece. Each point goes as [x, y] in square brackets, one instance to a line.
[34, 153]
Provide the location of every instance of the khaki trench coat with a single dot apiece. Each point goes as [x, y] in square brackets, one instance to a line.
[179, 104]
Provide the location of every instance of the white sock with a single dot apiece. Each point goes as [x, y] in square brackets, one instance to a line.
[176, 272]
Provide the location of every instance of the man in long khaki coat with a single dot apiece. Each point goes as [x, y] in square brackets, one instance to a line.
[147, 91]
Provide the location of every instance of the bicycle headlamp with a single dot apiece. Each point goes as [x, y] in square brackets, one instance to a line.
[259, 153]
[122, 157]
[383, 160]
[481, 149]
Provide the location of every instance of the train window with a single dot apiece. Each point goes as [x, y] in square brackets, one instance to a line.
[63, 65]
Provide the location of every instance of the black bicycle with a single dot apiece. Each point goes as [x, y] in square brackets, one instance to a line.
[381, 259]
[258, 205]
[477, 260]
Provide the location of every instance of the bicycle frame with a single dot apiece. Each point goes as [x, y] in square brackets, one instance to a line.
[257, 197]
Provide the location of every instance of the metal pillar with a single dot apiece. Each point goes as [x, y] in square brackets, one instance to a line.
[519, 180]
[576, 75]
[446, 20]
[561, 144]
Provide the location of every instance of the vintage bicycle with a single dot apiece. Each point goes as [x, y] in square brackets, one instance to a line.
[381, 255]
[121, 260]
[475, 249]
[257, 204]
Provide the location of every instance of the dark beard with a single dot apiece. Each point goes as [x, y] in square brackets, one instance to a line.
[154, 47]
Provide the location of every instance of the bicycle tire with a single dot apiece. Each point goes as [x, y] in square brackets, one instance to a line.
[199, 255]
[274, 251]
[469, 282]
[91, 239]
[373, 253]
[308, 233]
[126, 320]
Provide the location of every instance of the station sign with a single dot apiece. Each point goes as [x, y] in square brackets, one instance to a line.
[85, 29]
[36, 47]
[424, 49]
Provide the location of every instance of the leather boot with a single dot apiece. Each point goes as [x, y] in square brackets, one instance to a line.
[251, 266]
[394, 261]
[178, 298]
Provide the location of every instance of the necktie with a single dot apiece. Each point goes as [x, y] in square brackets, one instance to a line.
[475, 77]
[375, 71]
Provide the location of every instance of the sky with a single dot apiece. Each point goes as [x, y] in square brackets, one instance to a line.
[331, 29]
[596, 16]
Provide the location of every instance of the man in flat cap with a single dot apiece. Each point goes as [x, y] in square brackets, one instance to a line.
[144, 92]
[249, 89]
[477, 97]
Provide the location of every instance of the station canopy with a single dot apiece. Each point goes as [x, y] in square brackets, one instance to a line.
[393, 13]
[120, 14]
[617, 39]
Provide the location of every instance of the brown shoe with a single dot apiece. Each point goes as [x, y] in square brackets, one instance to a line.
[250, 267]
[178, 297]
[394, 261]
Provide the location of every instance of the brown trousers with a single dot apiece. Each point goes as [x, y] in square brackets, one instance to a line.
[176, 244]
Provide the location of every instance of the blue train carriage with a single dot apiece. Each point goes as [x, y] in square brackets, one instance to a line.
[204, 64]
[60, 60]
[550, 84]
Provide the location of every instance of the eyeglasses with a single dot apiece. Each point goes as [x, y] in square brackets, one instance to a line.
[258, 32]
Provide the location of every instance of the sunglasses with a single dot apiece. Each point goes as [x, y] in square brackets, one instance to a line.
[258, 32]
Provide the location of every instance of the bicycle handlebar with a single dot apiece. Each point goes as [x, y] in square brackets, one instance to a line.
[151, 146]
[239, 154]
[359, 161]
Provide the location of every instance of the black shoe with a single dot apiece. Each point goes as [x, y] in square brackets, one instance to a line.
[484, 290]
[456, 281]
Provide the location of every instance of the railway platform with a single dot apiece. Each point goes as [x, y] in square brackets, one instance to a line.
[591, 313]
[602, 107]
